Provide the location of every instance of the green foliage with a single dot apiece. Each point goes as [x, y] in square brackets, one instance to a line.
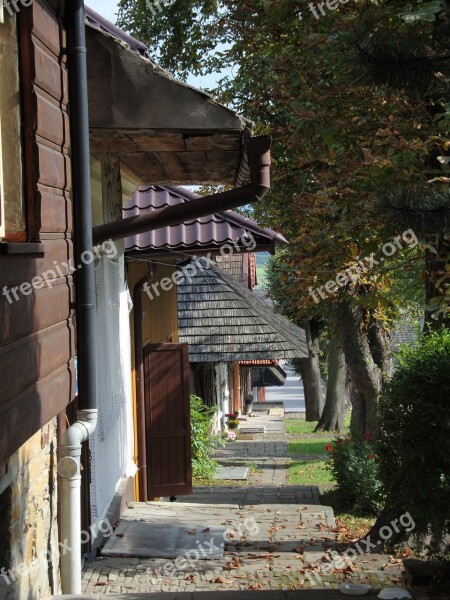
[357, 103]
[354, 466]
[414, 435]
[202, 440]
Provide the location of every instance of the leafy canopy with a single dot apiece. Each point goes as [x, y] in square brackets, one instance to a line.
[357, 103]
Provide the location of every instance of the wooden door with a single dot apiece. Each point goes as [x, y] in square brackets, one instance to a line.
[168, 430]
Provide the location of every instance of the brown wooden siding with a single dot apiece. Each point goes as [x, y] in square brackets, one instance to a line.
[37, 340]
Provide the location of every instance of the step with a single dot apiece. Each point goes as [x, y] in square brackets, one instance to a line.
[232, 595]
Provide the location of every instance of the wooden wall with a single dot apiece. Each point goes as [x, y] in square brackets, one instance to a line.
[37, 341]
[160, 323]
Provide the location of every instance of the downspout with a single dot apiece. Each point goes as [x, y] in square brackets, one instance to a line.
[258, 149]
[69, 466]
[140, 393]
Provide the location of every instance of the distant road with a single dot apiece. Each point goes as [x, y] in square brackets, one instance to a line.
[291, 393]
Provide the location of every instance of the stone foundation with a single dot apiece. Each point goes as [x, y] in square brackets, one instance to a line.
[29, 553]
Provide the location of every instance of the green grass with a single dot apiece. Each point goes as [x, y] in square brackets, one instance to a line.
[309, 446]
[300, 426]
[309, 473]
[357, 523]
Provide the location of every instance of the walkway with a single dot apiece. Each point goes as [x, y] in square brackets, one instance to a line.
[273, 530]
[276, 538]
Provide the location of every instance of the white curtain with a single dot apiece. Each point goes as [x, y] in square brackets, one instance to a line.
[112, 444]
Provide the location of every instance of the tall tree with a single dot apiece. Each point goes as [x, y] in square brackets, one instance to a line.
[357, 102]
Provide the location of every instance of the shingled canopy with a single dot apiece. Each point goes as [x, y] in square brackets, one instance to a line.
[221, 320]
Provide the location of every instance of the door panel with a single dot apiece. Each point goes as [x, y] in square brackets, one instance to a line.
[168, 431]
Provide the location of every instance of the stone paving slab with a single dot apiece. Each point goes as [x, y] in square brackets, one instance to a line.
[234, 473]
[247, 429]
[163, 540]
[276, 412]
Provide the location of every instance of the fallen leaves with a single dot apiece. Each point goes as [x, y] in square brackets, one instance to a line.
[255, 586]
[222, 579]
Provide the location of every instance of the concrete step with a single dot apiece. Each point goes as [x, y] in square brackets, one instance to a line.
[232, 595]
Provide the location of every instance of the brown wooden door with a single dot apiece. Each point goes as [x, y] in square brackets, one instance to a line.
[168, 428]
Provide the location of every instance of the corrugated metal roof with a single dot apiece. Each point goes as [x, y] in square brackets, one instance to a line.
[221, 320]
[212, 231]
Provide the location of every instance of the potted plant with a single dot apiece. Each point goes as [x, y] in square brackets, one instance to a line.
[232, 420]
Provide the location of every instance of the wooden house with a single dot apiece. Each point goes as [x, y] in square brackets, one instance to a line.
[143, 126]
[179, 313]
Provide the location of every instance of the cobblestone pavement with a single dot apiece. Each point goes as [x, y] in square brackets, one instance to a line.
[293, 540]
[266, 547]
[252, 449]
[267, 484]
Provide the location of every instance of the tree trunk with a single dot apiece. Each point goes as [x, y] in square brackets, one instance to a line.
[365, 374]
[358, 419]
[333, 414]
[374, 542]
[310, 369]
[435, 266]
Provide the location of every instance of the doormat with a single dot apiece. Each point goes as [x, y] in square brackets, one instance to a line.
[235, 473]
[164, 540]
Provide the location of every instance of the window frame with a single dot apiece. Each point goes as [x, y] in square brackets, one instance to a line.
[2, 207]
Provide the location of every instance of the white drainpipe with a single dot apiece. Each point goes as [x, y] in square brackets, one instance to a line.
[70, 474]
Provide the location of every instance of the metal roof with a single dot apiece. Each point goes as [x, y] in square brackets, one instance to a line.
[209, 232]
[221, 320]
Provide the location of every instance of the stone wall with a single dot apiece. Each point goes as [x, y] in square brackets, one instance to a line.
[29, 559]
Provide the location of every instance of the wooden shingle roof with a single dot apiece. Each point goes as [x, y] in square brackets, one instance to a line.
[221, 320]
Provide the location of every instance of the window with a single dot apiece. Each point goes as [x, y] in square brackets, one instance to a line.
[2, 208]
[12, 211]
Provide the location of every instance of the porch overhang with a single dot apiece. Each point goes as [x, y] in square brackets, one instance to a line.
[222, 321]
[163, 130]
[268, 376]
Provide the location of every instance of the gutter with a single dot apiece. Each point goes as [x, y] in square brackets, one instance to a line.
[69, 468]
[258, 149]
